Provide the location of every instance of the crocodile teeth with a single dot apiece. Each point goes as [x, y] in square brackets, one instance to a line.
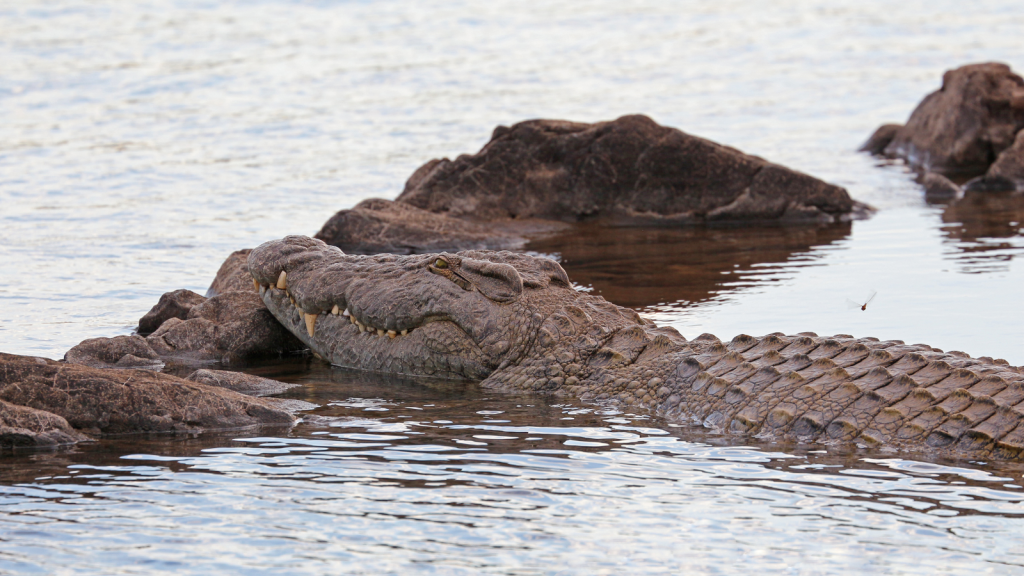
[352, 319]
[380, 332]
[346, 313]
[405, 332]
[255, 284]
[392, 334]
[282, 280]
[362, 327]
[310, 323]
[334, 310]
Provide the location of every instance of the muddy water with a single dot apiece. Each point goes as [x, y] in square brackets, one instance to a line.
[143, 142]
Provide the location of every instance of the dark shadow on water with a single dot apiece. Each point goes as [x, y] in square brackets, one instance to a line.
[639, 267]
[985, 230]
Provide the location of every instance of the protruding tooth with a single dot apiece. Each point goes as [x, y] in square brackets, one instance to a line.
[282, 280]
[310, 323]
[346, 313]
[405, 332]
[334, 310]
[392, 334]
[352, 319]
[380, 332]
[255, 284]
[362, 327]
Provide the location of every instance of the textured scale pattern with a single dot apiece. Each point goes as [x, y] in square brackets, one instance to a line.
[811, 389]
[515, 322]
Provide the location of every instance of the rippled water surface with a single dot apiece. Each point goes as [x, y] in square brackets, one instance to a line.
[142, 142]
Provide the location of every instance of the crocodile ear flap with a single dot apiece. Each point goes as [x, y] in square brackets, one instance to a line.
[498, 282]
[555, 272]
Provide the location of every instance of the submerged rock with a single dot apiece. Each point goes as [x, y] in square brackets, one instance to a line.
[959, 130]
[28, 428]
[117, 352]
[99, 401]
[375, 225]
[240, 382]
[229, 327]
[938, 187]
[878, 141]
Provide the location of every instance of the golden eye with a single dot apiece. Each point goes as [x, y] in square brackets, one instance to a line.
[439, 263]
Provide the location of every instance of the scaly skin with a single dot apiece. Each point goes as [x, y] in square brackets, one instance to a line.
[514, 322]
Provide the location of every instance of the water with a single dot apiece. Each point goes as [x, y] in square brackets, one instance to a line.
[141, 143]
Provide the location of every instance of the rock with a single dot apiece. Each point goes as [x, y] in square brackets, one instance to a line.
[229, 327]
[233, 275]
[175, 304]
[628, 170]
[117, 352]
[377, 225]
[938, 187]
[28, 428]
[100, 401]
[1006, 174]
[240, 382]
[959, 130]
[880, 139]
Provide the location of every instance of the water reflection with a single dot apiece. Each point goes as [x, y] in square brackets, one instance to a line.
[640, 267]
[985, 230]
[389, 476]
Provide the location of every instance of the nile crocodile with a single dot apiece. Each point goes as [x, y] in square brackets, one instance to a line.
[515, 322]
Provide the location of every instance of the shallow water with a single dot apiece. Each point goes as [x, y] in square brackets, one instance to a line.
[143, 142]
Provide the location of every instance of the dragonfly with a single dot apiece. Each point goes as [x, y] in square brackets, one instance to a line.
[863, 306]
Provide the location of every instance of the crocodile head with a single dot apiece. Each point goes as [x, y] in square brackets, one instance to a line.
[449, 315]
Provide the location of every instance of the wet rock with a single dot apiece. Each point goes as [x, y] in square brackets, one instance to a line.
[240, 382]
[960, 129]
[377, 225]
[878, 141]
[117, 352]
[229, 327]
[99, 401]
[175, 304]
[28, 428]
[938, 187]
[1006, 174]
[629, 170]
[233, 275]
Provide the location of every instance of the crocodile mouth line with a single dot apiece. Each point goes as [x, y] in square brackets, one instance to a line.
[342, 311]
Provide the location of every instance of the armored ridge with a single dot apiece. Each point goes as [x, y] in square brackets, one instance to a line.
[515, 322]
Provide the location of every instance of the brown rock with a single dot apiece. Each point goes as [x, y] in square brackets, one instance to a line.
[881, 138]
[240, 382]
[28, 428]
[128, 401]
[117, 352]
[1006, 174]
[938, 187]
[376, 225]
[229, 327]
[629, 170]
[171, 305]
[959, 130]
[233, 275]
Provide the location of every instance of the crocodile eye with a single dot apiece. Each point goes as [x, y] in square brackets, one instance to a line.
[440, 263]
